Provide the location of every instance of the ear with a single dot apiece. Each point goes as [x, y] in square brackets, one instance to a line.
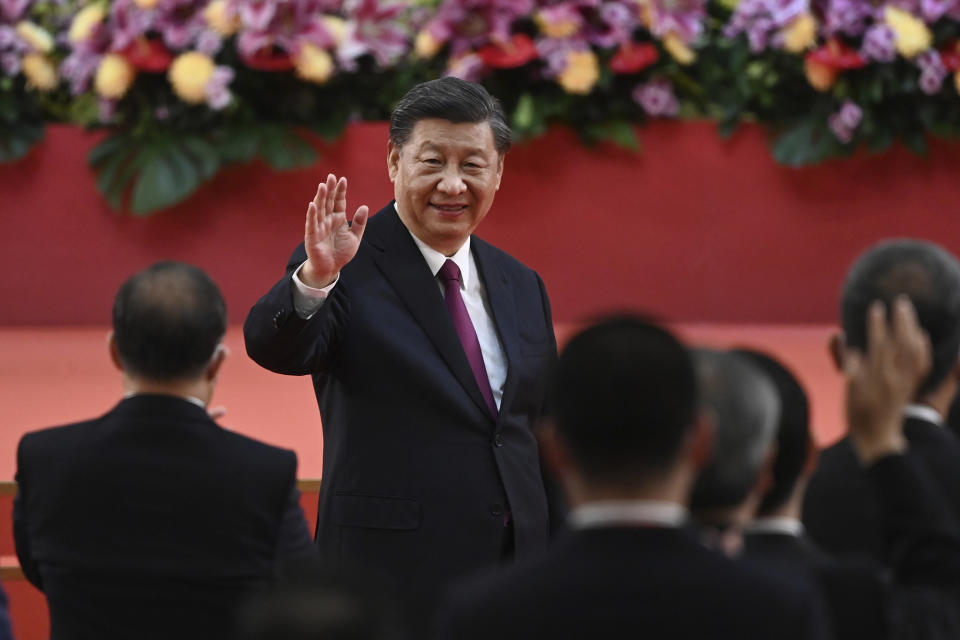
[836, 346]
[554, 450]
[499, 169]
[219, 355]
[699, 441]
[393, 161]
[765, 478]
[114, 350]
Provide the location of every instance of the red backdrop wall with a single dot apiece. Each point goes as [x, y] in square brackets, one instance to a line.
[692, 228]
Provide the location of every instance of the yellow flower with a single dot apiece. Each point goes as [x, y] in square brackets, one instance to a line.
[114, 76]
[337, 28]
[220, 20]
[820, 76]
[800, 34]
[956, 81]
[36, 36]
[912, 36]
[425, 45]
[85, 21]
[313, 63]
[581, 72]
[189, 74]
[145, 4]
[555, 28]
[40, 72]
[678, 49]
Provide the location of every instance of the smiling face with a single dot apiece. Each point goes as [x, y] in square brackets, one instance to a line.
[444, 179]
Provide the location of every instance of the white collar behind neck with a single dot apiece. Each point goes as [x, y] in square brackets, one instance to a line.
[923, 412]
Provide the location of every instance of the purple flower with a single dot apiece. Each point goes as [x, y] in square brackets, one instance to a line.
[468, 66]
[127, 23]
[879, 44]
[554, 52]
[282, 23]
[762, 20]
[657, 98]
[217, 93]
[845, 121]
[78, 68]
[932, 72]
[209, 42]
[469, 24]
[10, 63]
[13, 10]
[684, 18]
[106, 109]
[613, 25]
[375, 28]
[849, 17]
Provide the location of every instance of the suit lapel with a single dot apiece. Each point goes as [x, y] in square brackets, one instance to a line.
[403, 266]
[504, 310]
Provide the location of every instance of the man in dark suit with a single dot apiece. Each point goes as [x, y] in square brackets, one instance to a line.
[840, 511]
[428, 349]
[152, 521]
[628, 442]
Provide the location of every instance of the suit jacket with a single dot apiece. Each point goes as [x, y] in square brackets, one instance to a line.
[841, 510]
[631, 583]
[917, 597]
[417, 475]
[151, 521]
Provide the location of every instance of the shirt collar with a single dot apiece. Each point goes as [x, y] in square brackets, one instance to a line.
[923, 412]
[780, 524]
[637, 513]
[435, 260]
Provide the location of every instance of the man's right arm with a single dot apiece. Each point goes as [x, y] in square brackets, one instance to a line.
[284, 331]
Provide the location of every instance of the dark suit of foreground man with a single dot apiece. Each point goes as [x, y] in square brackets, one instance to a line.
[152, 521]
[628, 442]
[423, 477]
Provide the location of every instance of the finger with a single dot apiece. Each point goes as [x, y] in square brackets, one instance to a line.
[216, 413]
[877, 338]
[340, 196]
[310, 224]
[331, 193]
[321, 203]
[360, 221]
[905, 326]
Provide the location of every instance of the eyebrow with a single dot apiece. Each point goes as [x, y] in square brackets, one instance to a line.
[432, 146]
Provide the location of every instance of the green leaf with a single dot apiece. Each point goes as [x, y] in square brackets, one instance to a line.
[166, 177]
[916, 141]
[17, 140]
[204, 156]
[807, 143]
[116, 144]
[283, 149]
[623, 134]
[525, 112]
[238, 144]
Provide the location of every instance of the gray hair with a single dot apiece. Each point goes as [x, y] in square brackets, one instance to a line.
[746, 409]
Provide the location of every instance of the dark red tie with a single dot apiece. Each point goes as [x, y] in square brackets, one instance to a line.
[449, 274]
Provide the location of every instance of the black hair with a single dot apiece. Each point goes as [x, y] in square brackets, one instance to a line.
[924, 272]
[449, 99]
[624, 396]
[167, 320]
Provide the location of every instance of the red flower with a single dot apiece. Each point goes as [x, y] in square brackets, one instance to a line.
[837, 56]
[950, 56]
[268, 59]
[148, 55]
[633, 56]
[516, 52]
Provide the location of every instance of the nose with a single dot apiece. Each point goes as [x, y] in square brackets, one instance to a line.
[451, 183]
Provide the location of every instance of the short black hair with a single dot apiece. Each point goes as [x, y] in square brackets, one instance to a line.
[624, 396]
[793, 429]
[746, 408]
[449, 99]
[924, 272]
[167, 321]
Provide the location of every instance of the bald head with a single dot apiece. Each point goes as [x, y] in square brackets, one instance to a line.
[168, 321]
[746, 408]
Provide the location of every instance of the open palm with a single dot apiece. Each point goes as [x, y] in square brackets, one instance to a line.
[329, 240]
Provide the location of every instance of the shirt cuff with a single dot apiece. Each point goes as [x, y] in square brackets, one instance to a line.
[308, 300]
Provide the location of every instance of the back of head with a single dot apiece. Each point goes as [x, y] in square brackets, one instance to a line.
[315, 601]
[624, 397]
[449, 99]
[168, 321]
[746, 409]
[793, 429]
[924, 272]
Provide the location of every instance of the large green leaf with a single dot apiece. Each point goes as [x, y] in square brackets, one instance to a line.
[238, 144]
[806, 143]
[204, 155]
[167, 176]
[283, 149]
[16, 140]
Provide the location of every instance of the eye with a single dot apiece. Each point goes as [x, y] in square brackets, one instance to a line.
[472, 165]
[433, 162]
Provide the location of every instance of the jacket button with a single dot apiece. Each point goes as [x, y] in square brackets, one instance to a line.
[496, 510]
[498, 440]
[278, 318]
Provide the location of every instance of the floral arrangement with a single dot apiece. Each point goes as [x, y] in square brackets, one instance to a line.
[183, 87]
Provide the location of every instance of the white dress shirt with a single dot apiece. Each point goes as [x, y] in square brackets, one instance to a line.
[628, 513]
[923, 412]
[777, 524]
[307, 300]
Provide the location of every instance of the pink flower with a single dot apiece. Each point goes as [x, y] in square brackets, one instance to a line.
[374, 27]
[657, 98]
